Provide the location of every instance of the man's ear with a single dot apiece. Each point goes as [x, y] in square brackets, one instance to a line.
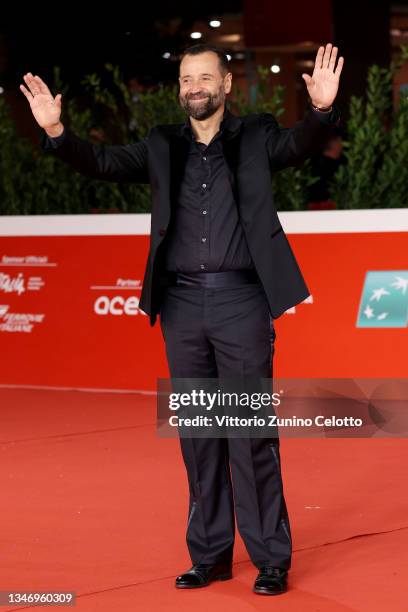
[228, 82]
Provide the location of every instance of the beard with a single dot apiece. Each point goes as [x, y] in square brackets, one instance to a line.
[206, 106]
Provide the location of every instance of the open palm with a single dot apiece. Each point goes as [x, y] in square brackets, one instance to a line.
[324, 82]
[45, 108]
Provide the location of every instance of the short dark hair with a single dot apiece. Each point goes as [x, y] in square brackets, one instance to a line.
[204, 48]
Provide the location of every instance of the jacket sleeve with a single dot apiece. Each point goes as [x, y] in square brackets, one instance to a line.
[116, 163]
[290, 146]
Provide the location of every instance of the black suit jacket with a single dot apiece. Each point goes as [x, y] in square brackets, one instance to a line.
[254, 147]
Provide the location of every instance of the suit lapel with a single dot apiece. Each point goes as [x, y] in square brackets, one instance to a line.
[179, 148]
[231, 146]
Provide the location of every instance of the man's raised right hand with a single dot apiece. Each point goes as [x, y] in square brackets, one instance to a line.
[45, 108]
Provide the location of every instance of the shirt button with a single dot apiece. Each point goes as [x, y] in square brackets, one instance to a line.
[204, 158]
[204, 212]
[203, 239]
[204, 185]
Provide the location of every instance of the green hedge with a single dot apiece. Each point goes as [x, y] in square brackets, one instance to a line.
[376, 147]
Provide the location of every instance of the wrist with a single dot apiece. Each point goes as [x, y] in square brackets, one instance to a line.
[54, 130]
[321, 108]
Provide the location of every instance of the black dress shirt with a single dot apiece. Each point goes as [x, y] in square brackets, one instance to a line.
[205, 233]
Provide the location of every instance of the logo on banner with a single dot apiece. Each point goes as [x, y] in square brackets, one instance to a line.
[118, 305]
[18, 321]
[26, 260]
[384, 301]
[17, 284]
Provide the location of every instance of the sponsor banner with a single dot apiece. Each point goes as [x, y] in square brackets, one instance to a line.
[70, 316]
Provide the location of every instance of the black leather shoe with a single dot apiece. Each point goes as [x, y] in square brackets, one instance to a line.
[203, 574]
[271, 581]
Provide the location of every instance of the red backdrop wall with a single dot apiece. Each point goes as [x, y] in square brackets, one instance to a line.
[69, 311]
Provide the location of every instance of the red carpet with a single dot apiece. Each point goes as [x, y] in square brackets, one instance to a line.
[94, 502]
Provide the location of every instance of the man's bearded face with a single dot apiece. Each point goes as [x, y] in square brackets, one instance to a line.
[202, 86]
[202, 104]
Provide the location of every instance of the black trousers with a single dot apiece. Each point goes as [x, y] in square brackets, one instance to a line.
[228, 332]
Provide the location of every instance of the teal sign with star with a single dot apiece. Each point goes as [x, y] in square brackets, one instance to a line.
[384, 301]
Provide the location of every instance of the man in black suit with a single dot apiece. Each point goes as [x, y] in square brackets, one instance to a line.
[219, 270]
